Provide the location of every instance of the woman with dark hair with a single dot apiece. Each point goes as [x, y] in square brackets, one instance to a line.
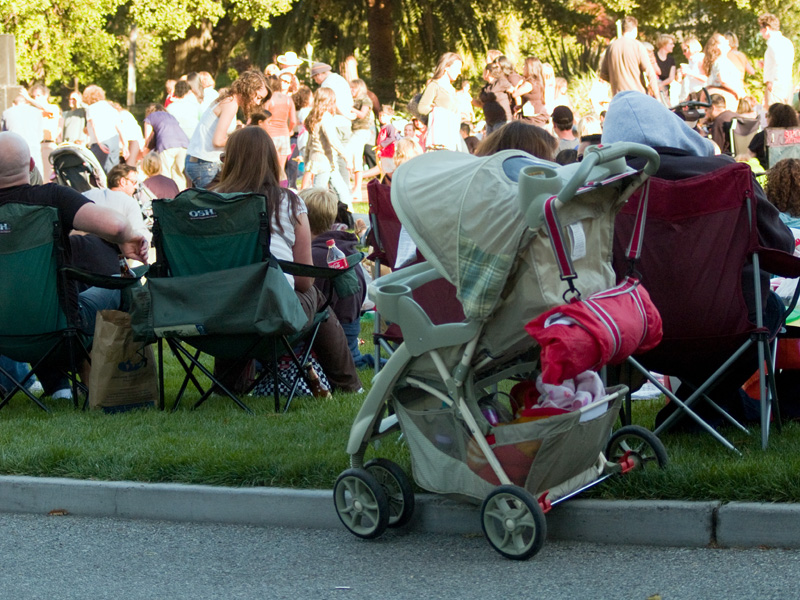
[494, 97]
[783, 190]
[218, 122]
[440, 102]
[163, 133]
[251, 165]
[778, 115]
[518, 135]
[531, 93]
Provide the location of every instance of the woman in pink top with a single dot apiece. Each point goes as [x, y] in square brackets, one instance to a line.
[283, 119]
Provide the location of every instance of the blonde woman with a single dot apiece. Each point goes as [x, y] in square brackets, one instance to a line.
[324, 147]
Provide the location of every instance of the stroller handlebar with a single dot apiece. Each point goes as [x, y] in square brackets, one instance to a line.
[611, 157]
[538, 183]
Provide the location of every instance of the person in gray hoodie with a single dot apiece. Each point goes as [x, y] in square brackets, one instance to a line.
[635, 117]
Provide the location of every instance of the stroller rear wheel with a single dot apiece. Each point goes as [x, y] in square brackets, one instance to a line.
[645, 447]
[513, 522]
[361, 503]
[397, 487]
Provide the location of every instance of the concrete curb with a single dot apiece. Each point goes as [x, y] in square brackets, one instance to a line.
[658, 523]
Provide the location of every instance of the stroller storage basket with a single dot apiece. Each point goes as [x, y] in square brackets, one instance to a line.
[536, 455]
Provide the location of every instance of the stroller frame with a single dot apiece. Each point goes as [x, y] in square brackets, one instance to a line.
[435, 378]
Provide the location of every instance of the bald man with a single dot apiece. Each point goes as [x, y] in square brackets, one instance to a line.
[75, 213]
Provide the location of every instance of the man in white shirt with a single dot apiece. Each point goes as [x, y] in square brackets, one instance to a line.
[778, 61]
[26, 121]
[324, 77]
[123, 180]
[184, 107]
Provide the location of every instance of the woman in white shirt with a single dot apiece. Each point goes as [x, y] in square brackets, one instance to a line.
[218, 122]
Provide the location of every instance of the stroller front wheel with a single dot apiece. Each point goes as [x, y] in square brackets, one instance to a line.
[513, 522]
[397, 487]
[361, 503]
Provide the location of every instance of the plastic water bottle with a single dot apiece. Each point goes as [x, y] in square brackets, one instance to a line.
[336, 258]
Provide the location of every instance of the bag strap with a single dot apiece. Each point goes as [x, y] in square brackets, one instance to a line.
[563, 258]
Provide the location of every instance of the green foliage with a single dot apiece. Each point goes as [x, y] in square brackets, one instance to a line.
[59, 40]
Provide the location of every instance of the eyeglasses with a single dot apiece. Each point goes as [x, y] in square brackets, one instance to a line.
[134, 182]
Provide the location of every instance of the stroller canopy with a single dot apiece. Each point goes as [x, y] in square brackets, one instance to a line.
[464, 215]
[77, 167]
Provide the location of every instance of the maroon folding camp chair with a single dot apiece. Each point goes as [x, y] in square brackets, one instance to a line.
[699, 237]
[438, 297]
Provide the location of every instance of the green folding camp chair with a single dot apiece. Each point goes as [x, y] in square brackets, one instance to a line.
[216, 287]
[38, 305]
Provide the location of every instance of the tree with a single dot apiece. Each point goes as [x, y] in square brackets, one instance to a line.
[87, 39]
[400, 40]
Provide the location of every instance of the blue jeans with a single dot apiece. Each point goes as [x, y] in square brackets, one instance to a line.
[91, 301]
[202, 172]
[17, 370]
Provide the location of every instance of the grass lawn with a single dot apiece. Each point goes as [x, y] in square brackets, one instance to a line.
[219, 444]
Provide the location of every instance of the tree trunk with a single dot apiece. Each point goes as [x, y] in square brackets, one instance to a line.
[381, 49]
[205, 48]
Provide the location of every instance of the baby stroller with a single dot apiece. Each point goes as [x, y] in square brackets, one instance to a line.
[442, 385]
[75, 166]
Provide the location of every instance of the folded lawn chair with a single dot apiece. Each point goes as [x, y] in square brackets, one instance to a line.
[437, 297]
[216, 287]
[39, 305]
[700, 236]
[742, 131]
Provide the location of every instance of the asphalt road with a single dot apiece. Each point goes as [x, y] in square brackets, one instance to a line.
[66, 557]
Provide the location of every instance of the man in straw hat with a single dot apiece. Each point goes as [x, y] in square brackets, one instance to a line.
[288, 63]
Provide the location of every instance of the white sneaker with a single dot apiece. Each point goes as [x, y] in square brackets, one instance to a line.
[36, 387]
[63, 394]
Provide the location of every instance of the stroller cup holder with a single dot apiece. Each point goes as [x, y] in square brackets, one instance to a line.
[393, 295]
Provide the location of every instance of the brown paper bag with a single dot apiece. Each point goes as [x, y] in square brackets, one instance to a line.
[123, 374]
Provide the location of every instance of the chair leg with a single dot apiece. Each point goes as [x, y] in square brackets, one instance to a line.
[299, 363]
[160, 350]
[196, 363]
[686, 406]
[20, 386]
[187, 369]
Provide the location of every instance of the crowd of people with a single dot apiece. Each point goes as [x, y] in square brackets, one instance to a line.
[310, 152]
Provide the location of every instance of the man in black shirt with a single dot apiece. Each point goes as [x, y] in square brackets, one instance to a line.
[75, 213]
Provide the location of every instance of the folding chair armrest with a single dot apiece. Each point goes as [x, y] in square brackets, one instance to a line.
[344, 281]
[301, 270]
[778, 262]
[104, 281]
